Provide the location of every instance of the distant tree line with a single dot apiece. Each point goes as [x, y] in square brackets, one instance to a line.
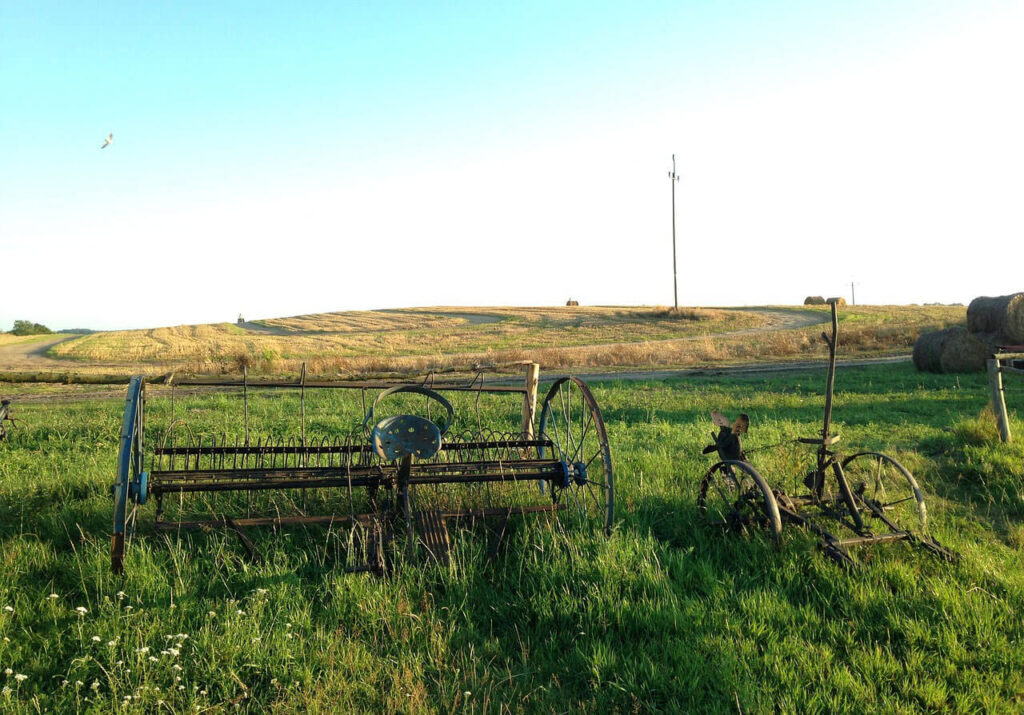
[27, 327]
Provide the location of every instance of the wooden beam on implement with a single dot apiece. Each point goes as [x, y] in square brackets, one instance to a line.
[995, 386]
[530, 400]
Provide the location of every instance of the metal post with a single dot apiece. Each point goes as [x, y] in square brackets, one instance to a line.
[853, 295]
[675, 286]
[245, 399]
[302, 402]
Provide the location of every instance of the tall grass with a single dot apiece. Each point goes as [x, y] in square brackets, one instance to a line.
[663, 615]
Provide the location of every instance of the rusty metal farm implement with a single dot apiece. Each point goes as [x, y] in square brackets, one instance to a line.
[868, 495]
[391, 474]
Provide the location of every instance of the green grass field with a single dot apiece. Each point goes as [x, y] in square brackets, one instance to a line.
[663, 615]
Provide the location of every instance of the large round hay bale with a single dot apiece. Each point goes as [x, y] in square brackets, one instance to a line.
[837, 301]
[814, 300]
[951, 350]
[1003, 315]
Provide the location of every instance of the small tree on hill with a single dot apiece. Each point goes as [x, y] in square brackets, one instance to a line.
[27, 327]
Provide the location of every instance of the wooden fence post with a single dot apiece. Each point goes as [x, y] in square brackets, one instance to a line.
[530, 399]
[995, 384]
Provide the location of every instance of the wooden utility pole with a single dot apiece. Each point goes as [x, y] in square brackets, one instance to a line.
[673, 178]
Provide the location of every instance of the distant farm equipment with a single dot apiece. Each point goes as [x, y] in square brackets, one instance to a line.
[867, 493]
[408, 465]
[5, 416]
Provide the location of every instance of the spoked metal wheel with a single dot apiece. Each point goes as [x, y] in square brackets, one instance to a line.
[572, 421]
[130, 488]
[886, 491]
[734, 496]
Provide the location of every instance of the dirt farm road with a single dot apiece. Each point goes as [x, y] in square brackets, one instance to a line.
[31, 355]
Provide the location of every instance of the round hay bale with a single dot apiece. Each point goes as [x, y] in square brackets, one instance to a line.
[837, 301]
[1002, 315]
[814, 300]
[951, 350]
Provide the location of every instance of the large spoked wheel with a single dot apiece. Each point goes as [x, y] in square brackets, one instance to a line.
[734, 496]
[886, 491]
[571, 420]
[129, 489]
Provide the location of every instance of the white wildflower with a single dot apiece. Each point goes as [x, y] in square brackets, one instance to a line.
[153, 659]
[287, 625]
[239, 612]
[175, 667]
[6, 690]
[82, 610]
[127, 608]
[174, 652]
[53, 596]
[261, 591]
[9, 609]
[111, 644]
[466, 694]
[143, 650]
[95, 685]
[96, 639]
[211, 614]
[8, 672]
[21, 677]
[203, 693]
[182, 636]
[120, 594]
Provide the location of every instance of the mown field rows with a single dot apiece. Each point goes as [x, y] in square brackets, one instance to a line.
[664, 614]
[416, 340]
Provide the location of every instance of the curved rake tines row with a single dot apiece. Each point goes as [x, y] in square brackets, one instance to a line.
[223, 459]
[211, 452]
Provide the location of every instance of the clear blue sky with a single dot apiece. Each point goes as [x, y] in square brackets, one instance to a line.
[276, 160]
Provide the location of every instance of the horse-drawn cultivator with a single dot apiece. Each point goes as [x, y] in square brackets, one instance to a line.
[868, 494]
[393, 475]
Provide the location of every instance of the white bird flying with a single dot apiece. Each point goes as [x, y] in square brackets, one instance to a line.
[108, 140]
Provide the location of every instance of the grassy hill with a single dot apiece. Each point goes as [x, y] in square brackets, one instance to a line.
[418, 339]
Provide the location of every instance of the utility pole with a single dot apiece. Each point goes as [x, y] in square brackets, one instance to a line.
[673, 178]
[853, 296]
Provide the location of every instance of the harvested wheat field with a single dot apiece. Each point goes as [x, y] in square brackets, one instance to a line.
[421, 339]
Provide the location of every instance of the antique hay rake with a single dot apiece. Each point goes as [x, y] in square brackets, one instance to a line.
[404, 465]
[869, 495]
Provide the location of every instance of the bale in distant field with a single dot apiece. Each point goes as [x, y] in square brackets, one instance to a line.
[954, 349]
[1002, 314]
[814, 300]
[837, 301]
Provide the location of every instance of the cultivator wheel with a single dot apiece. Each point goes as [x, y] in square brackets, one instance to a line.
[885, 491]
[572, 421]
[734, 496]
[130, 488]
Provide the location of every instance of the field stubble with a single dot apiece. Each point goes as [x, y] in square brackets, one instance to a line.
[419, 340]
